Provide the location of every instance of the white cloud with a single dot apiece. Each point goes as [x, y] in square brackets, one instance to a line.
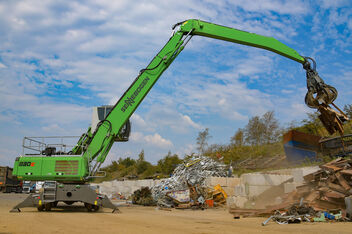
[336, 3]
[186, 150]
[282, 7]
[53, 128]
[137, 119]
[190, 122]
[136, 136]
[153, 140]
[166, 117]
[158, 140]
[2, 66]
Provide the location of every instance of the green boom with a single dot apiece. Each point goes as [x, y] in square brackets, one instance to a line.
[100, 143]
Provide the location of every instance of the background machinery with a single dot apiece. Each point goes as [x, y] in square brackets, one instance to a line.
[8, 182]
[67, 170]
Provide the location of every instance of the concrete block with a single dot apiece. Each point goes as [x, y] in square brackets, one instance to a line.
[106, 190]
[264, 179]
[288, 171]
[106, 183]
[148, 183]
[298, 176]
[232, 182]
[256, 190]
[240, 190]
[142, 183]
[309, 170]
[230, 191]
[240, 201]
[129, 182]
[230, 201]
[213, 181]
[134, 188]
[290, 186]
[117, 183]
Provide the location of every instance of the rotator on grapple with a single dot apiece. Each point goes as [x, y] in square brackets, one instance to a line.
[320, 96]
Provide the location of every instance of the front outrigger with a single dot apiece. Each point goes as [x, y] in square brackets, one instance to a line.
[71, 171]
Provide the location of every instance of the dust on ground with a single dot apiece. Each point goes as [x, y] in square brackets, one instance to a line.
[143, 220]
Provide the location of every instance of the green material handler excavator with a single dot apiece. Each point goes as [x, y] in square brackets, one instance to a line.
[67, 173]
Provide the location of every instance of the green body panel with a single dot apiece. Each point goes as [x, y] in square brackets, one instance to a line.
[68, 168]
[99, 144]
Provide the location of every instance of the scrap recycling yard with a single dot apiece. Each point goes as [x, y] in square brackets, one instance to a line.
[279, 156]
[137, 219]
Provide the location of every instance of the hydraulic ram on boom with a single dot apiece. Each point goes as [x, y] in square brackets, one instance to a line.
[84, 160]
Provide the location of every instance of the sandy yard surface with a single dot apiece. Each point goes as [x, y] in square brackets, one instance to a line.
[143, 220]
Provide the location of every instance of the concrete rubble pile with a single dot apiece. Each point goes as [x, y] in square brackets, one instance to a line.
[325, 196]
[190, 174]
[328, 187]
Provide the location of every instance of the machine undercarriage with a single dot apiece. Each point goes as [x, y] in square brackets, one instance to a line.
[53, 192]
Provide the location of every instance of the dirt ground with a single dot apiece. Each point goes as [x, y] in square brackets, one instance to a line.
[143, 220]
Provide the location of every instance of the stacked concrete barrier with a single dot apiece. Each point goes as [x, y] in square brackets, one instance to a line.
[125, 187]
[240, 190]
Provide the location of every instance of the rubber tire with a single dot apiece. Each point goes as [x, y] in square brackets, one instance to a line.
[47, 206]
[40, 207]
[7, 190]
[95, 208]
[89, 207]
[18, 190]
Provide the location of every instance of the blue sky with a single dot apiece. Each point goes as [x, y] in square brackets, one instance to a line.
[58, 59]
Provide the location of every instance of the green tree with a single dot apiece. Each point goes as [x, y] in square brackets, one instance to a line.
[271, 127]
[312, 125]
[202, 140]
[262, 130]
[141, 156]
[348, 110]
[168, 164]
[127, 162]
[238, 138]
[141, 164]
[254, 131]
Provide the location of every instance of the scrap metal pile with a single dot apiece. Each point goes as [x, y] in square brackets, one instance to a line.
[190, 174]
[304, 213]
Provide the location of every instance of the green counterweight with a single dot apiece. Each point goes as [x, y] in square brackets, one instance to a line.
[97, 146]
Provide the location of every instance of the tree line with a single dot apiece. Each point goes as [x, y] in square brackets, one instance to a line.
[261, 136]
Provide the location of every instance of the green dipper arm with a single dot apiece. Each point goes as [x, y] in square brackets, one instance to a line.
[215, 31]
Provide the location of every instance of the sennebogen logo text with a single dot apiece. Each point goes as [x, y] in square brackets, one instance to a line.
[129, 101]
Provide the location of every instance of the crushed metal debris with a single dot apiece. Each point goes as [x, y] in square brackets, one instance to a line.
[189, 175]
[304, 213]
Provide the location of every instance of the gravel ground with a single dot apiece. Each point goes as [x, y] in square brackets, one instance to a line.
[143, 220]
